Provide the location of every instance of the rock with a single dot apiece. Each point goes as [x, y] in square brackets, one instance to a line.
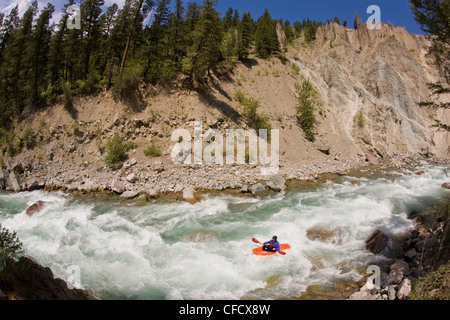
[391, 292]
[362, 295]
[131, 178]
[234, 185]
[426, 244]
[118, 186]
[130, 163]
[179, 187]
[404, 290]
[323, 234]
[256, 188]
[397, 271]
[377, 242]
[188, 193]
[294, 175]
[2, 179]
[419, 173]
[371, 159]
[446, 185]
[13, 183]
[158, 167]
[35, 184]
[129, 195]
[38, 283]
[153, 193]
[142, 197]
[325, 149]
[410, 253]
[244, 189]
[282, 39]
[35, 208]
[276, 183]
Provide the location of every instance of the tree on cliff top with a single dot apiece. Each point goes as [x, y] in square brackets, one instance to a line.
[433, 16]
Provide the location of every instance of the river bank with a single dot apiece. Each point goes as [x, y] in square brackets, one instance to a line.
[421, 272]
[155, 179]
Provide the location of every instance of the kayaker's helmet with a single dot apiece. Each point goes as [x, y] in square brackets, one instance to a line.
[274, 238]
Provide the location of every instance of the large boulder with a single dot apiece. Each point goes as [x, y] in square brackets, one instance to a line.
[118, 186]
[404, 289]
[257, 188]
[426, 244]
[362, 295]
[446, 185]
[35, 208]
[129, 194]
[189, 195]
[2, 179]
[13, 183]
[372, 159]
[27, 280]
[397, 271]
[35, 184]
[377, 242]
[276, 183]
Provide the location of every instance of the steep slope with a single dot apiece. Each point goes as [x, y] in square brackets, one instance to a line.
[369, 81]
[383, 74]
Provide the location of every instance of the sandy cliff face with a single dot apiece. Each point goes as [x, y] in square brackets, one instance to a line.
[378, 77]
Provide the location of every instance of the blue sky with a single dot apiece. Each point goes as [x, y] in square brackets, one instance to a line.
[395, 11]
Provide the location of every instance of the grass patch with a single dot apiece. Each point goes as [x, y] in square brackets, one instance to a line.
[152, 151]
[255, 120]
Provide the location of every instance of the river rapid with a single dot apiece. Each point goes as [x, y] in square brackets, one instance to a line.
[165, 250]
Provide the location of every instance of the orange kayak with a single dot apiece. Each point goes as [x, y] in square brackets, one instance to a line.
[259, 251]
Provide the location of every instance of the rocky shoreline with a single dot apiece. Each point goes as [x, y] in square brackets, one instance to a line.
[28, 280]
[422, 272]
[156, 178]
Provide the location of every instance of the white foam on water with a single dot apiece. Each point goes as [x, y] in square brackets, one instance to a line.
[149, 252]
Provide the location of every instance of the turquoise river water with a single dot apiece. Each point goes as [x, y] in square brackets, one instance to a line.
[175, 250]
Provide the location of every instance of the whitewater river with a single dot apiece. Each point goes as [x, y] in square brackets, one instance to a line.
[173, 250]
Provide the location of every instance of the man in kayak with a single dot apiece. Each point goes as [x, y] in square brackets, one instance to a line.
[272, 245]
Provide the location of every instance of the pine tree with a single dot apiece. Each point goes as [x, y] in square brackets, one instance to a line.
[204, 53]
[39, 52]
[433, 16]
[266, 36]
[16, 64]
[175, 33]
[247, 30]
[289, 31]
[228, 19]
[90, 17]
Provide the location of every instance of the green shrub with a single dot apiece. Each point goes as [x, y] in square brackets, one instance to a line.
[360, 120]
[115, 150]
[67, 96]
[152, 151]
[28, 138]
[239, 96]
[308, 100]
[255, 120]
[127, 84]
[295, 70]
[11, 247]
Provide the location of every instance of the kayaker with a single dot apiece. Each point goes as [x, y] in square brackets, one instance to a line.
[272, 245]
